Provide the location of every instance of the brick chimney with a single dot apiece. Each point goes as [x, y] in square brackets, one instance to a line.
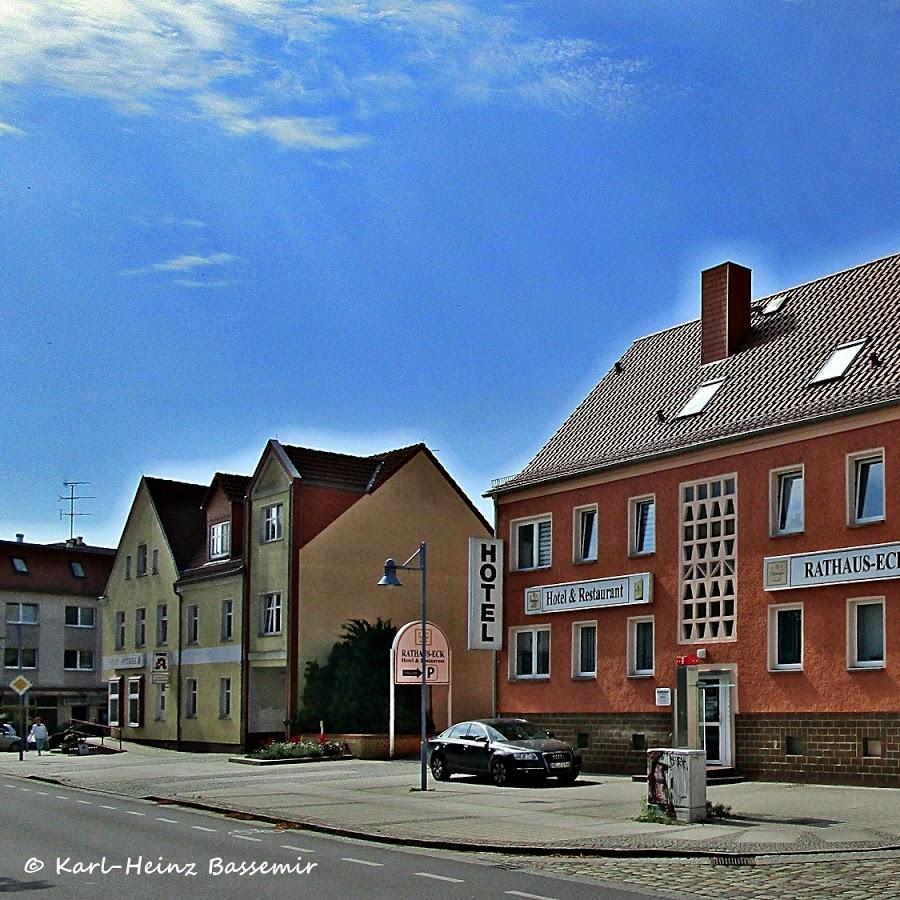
[725, 310]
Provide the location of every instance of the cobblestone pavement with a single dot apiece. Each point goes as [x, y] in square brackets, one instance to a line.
[871, 876]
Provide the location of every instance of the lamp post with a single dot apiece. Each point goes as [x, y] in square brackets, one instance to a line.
[390, 579]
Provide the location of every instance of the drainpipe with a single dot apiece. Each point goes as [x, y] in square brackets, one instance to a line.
[178, 680]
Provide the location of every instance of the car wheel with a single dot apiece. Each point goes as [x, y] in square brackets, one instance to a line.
[439, 768]
[568, 777]
[500, 773]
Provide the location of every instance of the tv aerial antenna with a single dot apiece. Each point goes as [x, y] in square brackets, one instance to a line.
[70, 499]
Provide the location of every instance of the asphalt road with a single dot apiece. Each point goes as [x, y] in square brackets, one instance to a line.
[64, 842]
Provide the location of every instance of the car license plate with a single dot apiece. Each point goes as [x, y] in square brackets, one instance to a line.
[559, 765]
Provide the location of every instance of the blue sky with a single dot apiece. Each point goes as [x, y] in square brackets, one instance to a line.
[357, 224]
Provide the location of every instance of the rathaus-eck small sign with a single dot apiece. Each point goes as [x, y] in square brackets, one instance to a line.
[626, 590]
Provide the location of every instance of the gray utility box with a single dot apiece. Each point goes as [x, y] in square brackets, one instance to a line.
[676, 783]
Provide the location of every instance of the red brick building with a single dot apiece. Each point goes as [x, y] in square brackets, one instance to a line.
[707, 552]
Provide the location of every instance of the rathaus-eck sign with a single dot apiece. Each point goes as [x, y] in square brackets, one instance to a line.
[626, 590]
[832, 567]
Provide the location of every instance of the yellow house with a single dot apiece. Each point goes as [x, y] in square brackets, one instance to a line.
[259, 574]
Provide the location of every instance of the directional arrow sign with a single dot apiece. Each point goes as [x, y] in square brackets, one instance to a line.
[407, 652]
[20, 684]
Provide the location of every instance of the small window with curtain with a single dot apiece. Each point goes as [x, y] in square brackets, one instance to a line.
[786, 638]
[865, 487]
[787, 501]
[584, 650]
[640, 646]
[532, 543]
[531, 657]
[586, 534]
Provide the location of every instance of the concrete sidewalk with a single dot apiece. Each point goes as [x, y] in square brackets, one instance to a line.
[596, 815]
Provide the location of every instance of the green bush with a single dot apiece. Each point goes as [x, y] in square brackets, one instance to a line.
[350, 692]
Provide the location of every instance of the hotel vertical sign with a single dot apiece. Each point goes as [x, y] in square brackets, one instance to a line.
[485, 594]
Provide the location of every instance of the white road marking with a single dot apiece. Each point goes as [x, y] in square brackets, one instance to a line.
[60, 797]
[202, 828]
[362, 862]
[42, 794]
[170, 821]
[243, 837]
[85, 802]
[298, 849]
[27, 790]
[9, 785]
[439, 877]
[529, 896]
[108, 807]
[131, 812]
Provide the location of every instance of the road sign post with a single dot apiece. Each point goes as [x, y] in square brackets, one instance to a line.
[21, 685]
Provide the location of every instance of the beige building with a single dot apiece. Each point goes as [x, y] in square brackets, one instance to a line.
[258, 576]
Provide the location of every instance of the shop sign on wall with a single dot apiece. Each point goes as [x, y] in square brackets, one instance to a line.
[626, 590]
[832, 567]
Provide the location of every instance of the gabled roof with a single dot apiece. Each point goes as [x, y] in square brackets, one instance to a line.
[632, 413]
[234, 487]
[179, 507]
[346, 472]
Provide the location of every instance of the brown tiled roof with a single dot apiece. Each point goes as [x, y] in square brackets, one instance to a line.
[211, 570]
[631, 413]
[178, 505]
[50, 570]
[345, 472]
[233, 486]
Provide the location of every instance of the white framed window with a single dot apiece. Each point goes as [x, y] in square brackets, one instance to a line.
[141, 565]
[642, 525]
[865, 487]
[162, 623]
[219, 540]
[584, 650]
[127, 567]
[113, 700]
[272, 522]
[78, 660]
[786, 637]
[584, 530]
[270, 607]
[162, 701]
[839, 361]
[531, 652]
[79, 617]
[21, 614]
[20, 658]
[227, 632]
[140, 626]
[19, 565]
[699, 399]
[193, 624]
[786, 500]
[224, 698]
[119, 636]
[135, 702]
[640, 646]
[865, 633]
[532, 541]
[190, 698]
[77, 568]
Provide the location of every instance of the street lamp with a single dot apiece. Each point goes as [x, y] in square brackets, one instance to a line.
[390, 579]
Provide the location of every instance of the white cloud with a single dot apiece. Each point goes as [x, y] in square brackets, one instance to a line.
[188, 262]
[6, 128]
[301, 74]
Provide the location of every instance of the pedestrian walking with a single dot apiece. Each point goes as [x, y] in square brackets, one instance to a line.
[39, 735]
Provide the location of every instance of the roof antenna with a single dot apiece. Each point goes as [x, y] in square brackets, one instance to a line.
[71, 514]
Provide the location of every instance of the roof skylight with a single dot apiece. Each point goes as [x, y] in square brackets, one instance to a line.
[19, 564]
[839, 361]
[700, 398]
[773, 304]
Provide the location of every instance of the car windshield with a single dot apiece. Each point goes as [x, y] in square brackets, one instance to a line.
[517, 731]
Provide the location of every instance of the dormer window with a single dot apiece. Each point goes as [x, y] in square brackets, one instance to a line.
[219, 540]
[700, 398]
[839, 361]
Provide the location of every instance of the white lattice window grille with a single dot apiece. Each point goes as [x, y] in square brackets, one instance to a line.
[709, 559]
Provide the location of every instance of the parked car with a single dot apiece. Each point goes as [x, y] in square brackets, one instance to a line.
[9, 740]
[502, 749]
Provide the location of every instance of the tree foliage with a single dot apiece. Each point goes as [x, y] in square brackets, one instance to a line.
[350, 693]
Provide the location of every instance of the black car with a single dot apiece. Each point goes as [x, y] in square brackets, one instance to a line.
[501, 749]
